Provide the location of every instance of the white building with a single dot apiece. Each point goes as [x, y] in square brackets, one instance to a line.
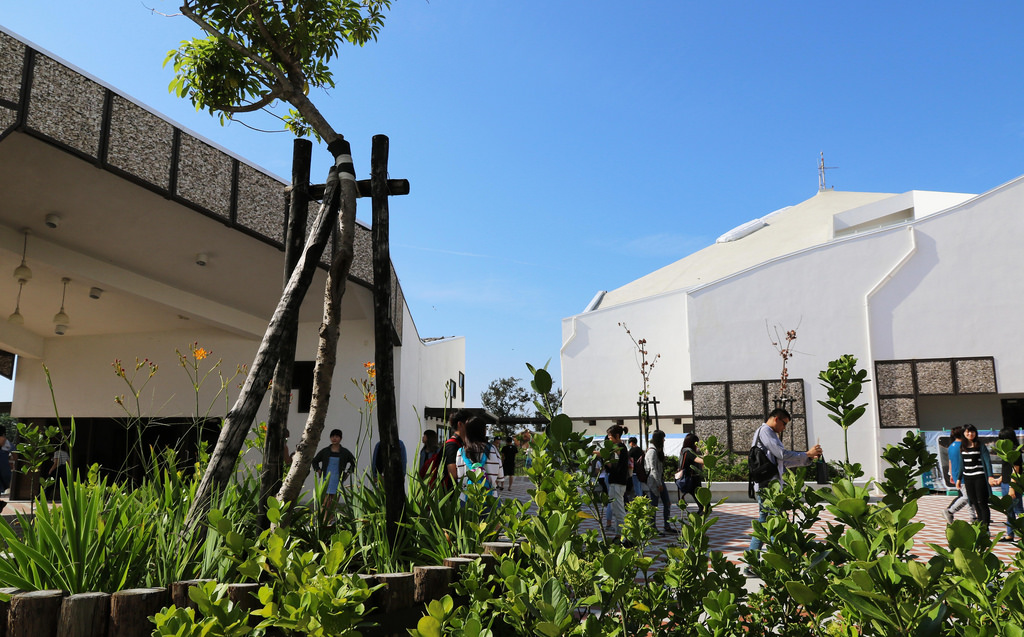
[924, 288]
[123, 202]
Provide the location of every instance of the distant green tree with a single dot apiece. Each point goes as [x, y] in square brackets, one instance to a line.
[506, 397]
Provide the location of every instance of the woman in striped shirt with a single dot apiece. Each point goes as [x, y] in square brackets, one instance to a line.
[976, 473]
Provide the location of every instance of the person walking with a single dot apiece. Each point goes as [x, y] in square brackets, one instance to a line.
[636, 456]
[1011, 471]
[654, 460]
[767, 438]
[959, 502]
[333, 463]
[508, 461]
[976, 474]
[689, 475]
[617, 470]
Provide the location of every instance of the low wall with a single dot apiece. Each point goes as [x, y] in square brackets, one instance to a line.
[398, 605]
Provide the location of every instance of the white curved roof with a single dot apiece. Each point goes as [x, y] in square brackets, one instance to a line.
[807, 224]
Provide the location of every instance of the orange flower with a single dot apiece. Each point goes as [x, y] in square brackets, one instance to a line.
[200, 353]
[370, 398]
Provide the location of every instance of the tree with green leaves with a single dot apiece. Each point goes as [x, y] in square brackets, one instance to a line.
[264, 55]
[505, 397]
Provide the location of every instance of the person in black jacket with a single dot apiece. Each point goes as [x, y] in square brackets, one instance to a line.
[617, 468]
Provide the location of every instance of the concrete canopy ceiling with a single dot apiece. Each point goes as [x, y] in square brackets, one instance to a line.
[138, 246]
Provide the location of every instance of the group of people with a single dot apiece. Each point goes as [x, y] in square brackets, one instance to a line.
[633, 472]
[970, 471]
[466, 450]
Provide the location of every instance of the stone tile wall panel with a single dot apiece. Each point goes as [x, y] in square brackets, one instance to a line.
[66, 106]
[709, 400]
[794, 390]
[12, 63]
[743, 433]
[260, 203]
[975, 376]
[141, 143]
[8, 117]
[897, 412]
[934, 377]
[895, 378]
[204, 176]
[746, 399]
[362, 261]
[717, 428]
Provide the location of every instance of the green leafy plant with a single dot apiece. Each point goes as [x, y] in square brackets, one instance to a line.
[36, 445]
[844, 382]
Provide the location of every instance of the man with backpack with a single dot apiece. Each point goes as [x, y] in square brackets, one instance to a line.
[617, 468]
[767, 441]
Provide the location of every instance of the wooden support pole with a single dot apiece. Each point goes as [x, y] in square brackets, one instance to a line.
[130, 611]
[34, 614]
[85, 615]
[244, 596]
[280, 394]
[384, 344]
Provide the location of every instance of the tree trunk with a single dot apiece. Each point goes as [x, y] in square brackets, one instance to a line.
[327, 349]
[384, 343]
[239, 419]
[280, 396]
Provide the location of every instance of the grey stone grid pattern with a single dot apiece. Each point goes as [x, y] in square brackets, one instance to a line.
[8, 117]
[743, 433]
[709, 400]
[66, 106]
[897, 412]
[362, 262]
[934, 377]
[746, 399]
[796, 434]
[260, 202]
[794, 390]
[895, 378]
[140, 143]
[204, 176]
[975, 376]
[717, 428]
[12, 62]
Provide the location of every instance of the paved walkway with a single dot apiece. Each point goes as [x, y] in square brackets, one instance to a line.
[731, 533]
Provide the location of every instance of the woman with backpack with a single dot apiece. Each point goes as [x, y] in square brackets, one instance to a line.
[478, 454]
[688, 477]
[655, 464]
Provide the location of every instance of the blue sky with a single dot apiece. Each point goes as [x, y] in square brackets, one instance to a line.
[556, 149]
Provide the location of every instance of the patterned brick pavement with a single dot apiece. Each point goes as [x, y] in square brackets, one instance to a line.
[731, 533]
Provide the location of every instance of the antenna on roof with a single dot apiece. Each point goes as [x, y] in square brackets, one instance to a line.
[821, 172]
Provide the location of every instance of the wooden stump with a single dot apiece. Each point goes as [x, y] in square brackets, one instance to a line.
[457, 564]
[84, 615]
[244, 596]
[500, 549]
[431, 582]
[4, 607]
[399, 592]
[179, 592]
[34, 614]
[130, 611]
[489, 561]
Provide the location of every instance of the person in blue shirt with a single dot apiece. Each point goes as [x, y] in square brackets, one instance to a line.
[333, 463]
[377, 466]
[955, 466]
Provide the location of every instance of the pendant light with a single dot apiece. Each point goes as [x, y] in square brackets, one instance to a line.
[16, 318]
[22, 273]
[61, 319]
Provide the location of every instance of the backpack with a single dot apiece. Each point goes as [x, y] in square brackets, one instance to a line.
[472, 477]
[640, 468]
[446, 478]
[761, 467]
[431, 465]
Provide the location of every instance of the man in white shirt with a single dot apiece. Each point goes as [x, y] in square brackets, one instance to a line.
[767, 438]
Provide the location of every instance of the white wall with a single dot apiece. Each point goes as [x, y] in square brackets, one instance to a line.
[600, 365]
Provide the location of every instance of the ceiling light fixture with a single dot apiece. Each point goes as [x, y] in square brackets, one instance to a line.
[16, 318]
[61, 319]
[22, 273]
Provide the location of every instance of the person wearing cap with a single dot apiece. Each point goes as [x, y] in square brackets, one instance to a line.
[655, 462]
